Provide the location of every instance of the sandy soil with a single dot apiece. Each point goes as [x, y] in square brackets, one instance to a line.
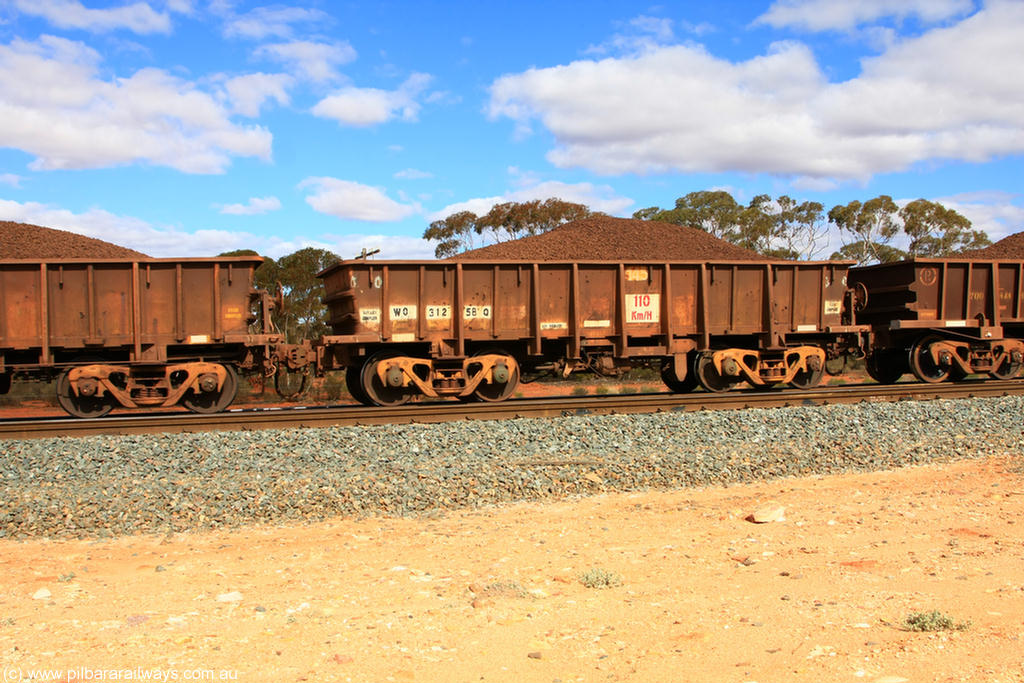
[499, 595]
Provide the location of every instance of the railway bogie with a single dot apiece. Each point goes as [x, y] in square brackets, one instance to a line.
[161, 332]
[471, 329]
[944, 319]
[136, 333]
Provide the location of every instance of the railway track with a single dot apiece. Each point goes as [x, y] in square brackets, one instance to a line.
[300, 417]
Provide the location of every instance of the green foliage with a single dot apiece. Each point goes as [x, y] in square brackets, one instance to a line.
[785, 228]
[862, 253]
[780, 228]
[713, 211]
[600, 578]
[513, 220]
[932, 229]
[508, 221]
[935, 230]
[304, 315]
[452, 234]
[932, 621]
[872, 225]
[334, 386]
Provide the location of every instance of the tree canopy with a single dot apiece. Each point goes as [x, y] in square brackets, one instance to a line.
[465, 230]
[780, 228]
[784, 228]
[304, 315]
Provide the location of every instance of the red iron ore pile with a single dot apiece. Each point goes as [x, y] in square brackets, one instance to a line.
[26, 241]
[1010, 248]
[605, 238]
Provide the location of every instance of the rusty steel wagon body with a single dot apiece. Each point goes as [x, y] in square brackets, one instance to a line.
[470, 329]
[147, 332]
[943, 319]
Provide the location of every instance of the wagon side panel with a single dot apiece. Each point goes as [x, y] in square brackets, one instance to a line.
[22, 307]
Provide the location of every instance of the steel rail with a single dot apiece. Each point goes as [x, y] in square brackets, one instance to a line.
[444, 411]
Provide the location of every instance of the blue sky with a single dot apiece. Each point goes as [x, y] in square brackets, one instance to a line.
[187, 127]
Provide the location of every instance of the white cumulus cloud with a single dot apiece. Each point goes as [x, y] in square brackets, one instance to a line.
[371, 106]
[128, 231]
[934, 97]
[391, 246]
[844, 15]
[266, 22]
[413, 174]
[997, 213]
[254, 207]
[137, 17]
[354, 201]
[597, 197]
[55, 105]
[310, 60]
[247, 93]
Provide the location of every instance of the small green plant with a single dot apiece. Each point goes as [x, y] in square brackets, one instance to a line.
[602, 389]
[334, 386]
[579, 391]
[600, 578]
[500, 589]
[627, 389]
[932, 621]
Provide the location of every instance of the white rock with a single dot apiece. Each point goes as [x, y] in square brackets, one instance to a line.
[41, 594]
[233, 596]
[768, 513]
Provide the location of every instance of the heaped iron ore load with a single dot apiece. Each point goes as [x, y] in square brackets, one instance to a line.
[471, 329]
[601, 295]
[604, 238]
[27, 241]
[142, 332]
[1010, 248]
[943, 319]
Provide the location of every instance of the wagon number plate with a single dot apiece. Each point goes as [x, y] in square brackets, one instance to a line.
[439, 312]
[473, 312]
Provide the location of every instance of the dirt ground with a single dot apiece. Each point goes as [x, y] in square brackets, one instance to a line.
[695, 591]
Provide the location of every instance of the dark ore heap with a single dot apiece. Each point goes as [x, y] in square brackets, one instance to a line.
[605, 238]
[27, 241]
[1009, 248]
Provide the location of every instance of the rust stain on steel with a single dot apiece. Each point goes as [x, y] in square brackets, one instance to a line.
[133, 308]
[446, 304]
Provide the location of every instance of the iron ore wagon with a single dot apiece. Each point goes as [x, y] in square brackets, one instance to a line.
[470, 329]
[135, 332]
[943, 319]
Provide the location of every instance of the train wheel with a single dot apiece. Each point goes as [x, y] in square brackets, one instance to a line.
[708, 377]
[354, 384]
[377, 392]
[486, 391]
[884, 368]
[922, 364]
[213, 401]
[807, 379]
[1007, 369]
[668, 376]
[78, 405]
